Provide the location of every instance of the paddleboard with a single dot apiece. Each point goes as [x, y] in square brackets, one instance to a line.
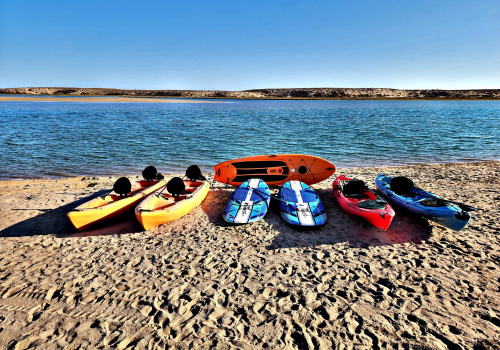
[300, 205]
[275, 169]
[248, 203]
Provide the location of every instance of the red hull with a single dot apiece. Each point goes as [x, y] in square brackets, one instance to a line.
[380, 218]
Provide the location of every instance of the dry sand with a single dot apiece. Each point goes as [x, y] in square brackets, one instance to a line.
[200, 283]
[97, 99]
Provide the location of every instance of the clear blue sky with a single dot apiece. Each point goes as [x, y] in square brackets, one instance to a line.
[237, 45]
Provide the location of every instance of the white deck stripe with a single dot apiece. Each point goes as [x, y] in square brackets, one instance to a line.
[303, 209]
[254, 183]
[245, 210]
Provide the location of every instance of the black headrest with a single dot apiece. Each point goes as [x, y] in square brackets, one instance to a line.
[176, 186]
[149, 173]
[401, 185]
[353, 187]
[122, 186]
[193, 173]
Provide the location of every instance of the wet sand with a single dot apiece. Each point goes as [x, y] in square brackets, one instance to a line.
[200, 283]
[98, 99]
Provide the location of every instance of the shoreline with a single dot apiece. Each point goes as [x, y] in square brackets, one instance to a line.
[180, 171]
[200, 283]
[189, 99]
[97, 99]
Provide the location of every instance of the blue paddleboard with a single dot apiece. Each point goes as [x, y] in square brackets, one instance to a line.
[300, 205]
[248, 203]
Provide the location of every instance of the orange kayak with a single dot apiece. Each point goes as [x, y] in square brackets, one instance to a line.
[274, 169]
[162, 207]
[112, 204]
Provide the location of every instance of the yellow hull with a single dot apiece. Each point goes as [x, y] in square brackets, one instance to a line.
[111, 205]
[160, 207]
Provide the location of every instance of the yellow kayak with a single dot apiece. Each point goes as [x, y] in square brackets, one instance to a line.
[161, 207]
[113, 204]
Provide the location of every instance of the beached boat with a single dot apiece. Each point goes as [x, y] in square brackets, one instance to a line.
[300, 205]
[162, 207]
[122, 199]
[401, 192]
[357, 199]
[248, 203]
[274, 169]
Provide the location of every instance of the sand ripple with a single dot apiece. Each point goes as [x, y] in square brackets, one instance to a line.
[200, 283]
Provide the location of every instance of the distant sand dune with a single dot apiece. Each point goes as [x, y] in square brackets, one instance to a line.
[200, 283]
[283, 93]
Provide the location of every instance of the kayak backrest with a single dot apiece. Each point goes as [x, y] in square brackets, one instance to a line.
[193, 173]
[149, 173]
[176, 186]
[401, 185]
[354, 188]
[122, 186]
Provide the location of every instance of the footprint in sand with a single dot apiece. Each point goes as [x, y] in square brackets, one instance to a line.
[14, 290]
[52, 293]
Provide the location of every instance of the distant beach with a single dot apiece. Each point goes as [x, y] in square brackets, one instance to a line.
[200, 283]
[32, 98]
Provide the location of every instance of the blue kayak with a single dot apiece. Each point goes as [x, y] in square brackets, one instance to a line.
[300, 205]
[402, 192]
[248, 203]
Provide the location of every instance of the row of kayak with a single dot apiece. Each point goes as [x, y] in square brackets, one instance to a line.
[300, 205]
[157, 202]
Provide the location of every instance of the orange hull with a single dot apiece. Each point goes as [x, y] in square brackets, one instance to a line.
[274, 169]
[160, 207]
[111, 205]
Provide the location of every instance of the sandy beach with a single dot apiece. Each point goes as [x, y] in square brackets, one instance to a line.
[97, 99]
[200, 283]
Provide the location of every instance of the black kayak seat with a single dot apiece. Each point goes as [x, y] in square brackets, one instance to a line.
[149, 173]
[401, 185]
[176, 186]
[122, 186]
[354, 188]
[193, 173]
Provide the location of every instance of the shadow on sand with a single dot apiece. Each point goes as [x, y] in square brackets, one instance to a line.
[341, 226]
[56, 222]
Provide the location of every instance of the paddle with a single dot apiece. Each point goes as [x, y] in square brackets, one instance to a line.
[403, 185]
[278, 199]
[270, 196]
[379, 198]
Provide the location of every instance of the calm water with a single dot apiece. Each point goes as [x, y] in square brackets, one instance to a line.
[51, 139]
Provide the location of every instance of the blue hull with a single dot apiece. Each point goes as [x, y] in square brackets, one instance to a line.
[248, 203]
[300, 205]
[420, 202]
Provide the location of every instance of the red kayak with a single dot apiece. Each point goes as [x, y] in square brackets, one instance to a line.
[357, 199]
